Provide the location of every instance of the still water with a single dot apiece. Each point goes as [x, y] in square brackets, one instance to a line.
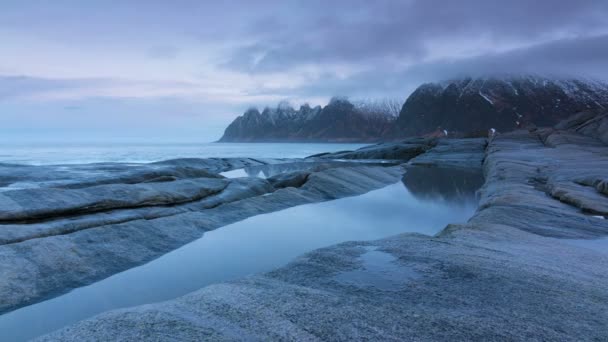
[259, 244]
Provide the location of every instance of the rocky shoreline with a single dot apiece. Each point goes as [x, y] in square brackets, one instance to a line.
[519, 269]
[64, 232]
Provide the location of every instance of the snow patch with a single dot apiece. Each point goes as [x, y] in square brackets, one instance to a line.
[486, 98]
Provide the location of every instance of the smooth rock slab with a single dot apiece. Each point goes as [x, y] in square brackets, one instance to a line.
[36, 269]
[30, 204]
[507, 275]
[473, 283]
[403, 150]
[454, 153]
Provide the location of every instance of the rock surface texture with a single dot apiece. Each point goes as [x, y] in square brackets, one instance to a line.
[520, 269]
[63, 227]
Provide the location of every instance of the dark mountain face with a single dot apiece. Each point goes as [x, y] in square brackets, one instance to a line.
[472, 105]
[461, 107]
[339, 121]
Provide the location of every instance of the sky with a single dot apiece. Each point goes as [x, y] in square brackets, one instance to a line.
[182, 70]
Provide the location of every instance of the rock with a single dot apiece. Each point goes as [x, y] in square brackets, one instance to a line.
[80, 176]
[31, 204]
[589, 123]
[490, 283]
[503, 103]
[459, 108]
[293, 179]
[454, 153]
[402, 151]
[587, 198]
[520, 172]
[237, 189]
[46, 258]
[512, 272]
[271, 170]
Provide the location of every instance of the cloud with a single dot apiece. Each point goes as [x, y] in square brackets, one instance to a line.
[19, 87]
[411, 31]
[41, 89]
[575, 57]
[163, 52]
[225, 56]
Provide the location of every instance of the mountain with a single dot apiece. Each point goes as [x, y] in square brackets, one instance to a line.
[464, 107]
[477, 105]
[339, 121]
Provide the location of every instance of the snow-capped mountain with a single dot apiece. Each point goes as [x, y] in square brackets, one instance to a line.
[340, 120]
[453, 108]
[477, 105]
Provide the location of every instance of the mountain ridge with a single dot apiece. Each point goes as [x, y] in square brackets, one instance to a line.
[459, 107]
[339, 121]
[478, 104]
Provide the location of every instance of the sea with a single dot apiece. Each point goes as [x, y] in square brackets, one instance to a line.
[84, 153]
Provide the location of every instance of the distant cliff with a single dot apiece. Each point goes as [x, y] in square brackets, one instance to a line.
[339, 121]
[459, 107]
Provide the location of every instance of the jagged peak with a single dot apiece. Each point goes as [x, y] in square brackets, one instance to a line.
[284, 106]
[339, 99]
[251, 111]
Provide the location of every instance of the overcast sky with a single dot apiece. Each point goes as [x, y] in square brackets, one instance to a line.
[182, 70]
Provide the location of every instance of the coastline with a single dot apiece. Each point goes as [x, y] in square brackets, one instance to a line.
[519, 269]
[507, 274]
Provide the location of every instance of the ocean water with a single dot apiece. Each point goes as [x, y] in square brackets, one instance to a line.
[48, 154]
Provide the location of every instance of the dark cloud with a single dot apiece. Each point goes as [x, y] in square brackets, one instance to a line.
[581, 57]
[259, 51]
[374, 32]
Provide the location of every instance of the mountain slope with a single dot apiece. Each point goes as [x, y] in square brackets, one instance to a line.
[472, 105]
[459, 107]
[339, 121]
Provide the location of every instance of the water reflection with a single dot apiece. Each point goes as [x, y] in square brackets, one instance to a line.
[448, 184]
[257, 244]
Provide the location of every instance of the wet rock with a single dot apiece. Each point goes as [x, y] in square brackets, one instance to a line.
[490, 283]
[15, 177]
[47, 258]
[292, 179]
[454, 153]
[237, 189]
[30, 204]
[588, 123]
[403, 150]
[522, 171]
[584, 197]
[511, 273]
